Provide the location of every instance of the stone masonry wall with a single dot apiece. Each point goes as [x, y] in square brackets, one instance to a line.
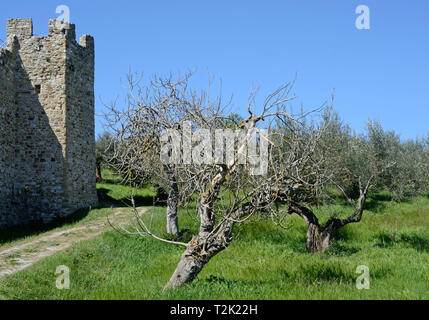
[54, 125]
[40, 122]
[80, 156]
[7, 123]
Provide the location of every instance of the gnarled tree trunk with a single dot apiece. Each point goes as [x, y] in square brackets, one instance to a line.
[318, 237]
[314, 239]
[98, 175]
[172, 218]
[191, 263]
[210, 240]
[172, 204]
[205, 246]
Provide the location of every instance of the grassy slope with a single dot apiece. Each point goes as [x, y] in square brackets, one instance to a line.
[265, 262]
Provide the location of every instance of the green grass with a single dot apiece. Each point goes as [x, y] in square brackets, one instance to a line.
[120, 194]
[264, 262]
[113, 192]
[110, 177]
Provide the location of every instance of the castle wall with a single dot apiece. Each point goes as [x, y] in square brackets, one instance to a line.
[7, 124]
[54, 125]
[40, 123]
[80, 152]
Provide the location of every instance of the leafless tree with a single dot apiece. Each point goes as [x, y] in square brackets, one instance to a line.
[227, 192]
[164, 103]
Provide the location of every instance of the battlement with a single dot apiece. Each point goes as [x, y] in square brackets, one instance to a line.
[23, 29]
[19, 27]
[87, 41]
[47, 142]
[61, 27]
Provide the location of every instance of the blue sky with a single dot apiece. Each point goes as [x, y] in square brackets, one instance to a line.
[380, 73]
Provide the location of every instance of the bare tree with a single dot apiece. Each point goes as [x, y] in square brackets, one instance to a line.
[226, 192]
[162, 104]
[219, 210]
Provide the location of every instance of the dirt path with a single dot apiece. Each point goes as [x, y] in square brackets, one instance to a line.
[19, 257]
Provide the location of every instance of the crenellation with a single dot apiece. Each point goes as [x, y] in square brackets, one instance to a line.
[47, 163]
[19, 27]
[87, 41]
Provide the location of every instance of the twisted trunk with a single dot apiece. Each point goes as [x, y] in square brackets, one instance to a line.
[205, 246]
[318, 237]
[172, 218]
[200, 249]
[211, 239]
[198, 253]
[189, 266]
[317, 241]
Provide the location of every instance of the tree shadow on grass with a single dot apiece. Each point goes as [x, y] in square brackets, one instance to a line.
[340, 250]
[319, 272]
[311, 273]
[228, 284]
[414, 239]
[344, 234]
[112, 180]
[378, 202]
[219, 280]
[277, 236]
[106, 201]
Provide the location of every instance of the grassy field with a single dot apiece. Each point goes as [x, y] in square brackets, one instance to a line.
[264, 262]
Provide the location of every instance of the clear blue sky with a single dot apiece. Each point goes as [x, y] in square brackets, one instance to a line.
[381, 73]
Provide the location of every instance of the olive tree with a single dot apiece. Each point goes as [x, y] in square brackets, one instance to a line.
[406, 175]
[333, 158]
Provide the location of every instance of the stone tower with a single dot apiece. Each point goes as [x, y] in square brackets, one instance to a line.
[47, 148]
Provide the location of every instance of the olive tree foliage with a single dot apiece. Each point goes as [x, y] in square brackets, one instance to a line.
[351, 163]
[152, 107]
[407, 176]
[424, 166]
[333, 158]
